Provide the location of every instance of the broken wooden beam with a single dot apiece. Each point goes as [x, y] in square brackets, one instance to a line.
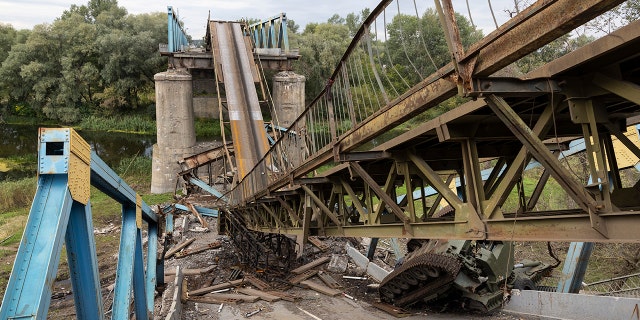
[303, 276]
[329, 280]
[257, 282]
[320, 288]
[197, 214]
[392, 310]
[192, 272]
[223, 296]
[178, 247]
[214, 300]
[212, 245]
[220, 286]
[263, 295]
[310, 265]
[284, 296]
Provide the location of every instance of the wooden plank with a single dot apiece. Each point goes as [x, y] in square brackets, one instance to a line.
[310, 265]
[197, 214]
[284, 296]
[329, 280]
[263, 295]
[257, 282]
[176, 306]
[213, 245]
[318, 243]
[220, 286]
[321, 288]
[214, 300]
[303, 276]
[392, 310]
[178, 247]
[233, 296]
[192, 272]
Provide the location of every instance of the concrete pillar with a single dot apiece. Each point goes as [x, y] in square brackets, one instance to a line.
[288, 96]
[176, 134]
[288, 101]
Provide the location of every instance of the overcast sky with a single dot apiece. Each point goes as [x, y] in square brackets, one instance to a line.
[27, 13]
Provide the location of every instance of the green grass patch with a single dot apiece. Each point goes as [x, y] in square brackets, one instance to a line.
[130, 124]
[16, 194]
[208, 128]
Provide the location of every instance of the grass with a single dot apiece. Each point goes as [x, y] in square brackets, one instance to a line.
[130, 124]
[208, 128]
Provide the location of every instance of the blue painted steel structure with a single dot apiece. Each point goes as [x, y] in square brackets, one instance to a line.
[177, 38]
[271, 33]
[61, 211]
[575, 266]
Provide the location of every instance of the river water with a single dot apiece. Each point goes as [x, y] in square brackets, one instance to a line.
[20, 141]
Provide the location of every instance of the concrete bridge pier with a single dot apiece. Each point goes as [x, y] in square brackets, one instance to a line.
[288, 101]
[176, 134]
[288, 96]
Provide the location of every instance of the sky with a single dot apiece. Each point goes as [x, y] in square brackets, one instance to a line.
[24, 14]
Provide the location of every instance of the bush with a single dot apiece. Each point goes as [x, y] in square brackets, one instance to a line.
[17, 194]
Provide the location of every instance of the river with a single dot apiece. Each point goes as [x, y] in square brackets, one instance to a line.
[20, 142]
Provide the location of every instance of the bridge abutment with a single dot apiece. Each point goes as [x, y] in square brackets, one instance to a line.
[175, 127]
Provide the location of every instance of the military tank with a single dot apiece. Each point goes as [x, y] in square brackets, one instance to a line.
[476, 273]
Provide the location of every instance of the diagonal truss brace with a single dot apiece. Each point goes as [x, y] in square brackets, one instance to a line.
[539, 151]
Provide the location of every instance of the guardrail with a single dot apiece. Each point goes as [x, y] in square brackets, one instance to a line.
[271, 33]
[177, 38]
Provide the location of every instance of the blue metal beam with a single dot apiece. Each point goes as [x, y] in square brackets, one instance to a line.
[83, 262]
[575, 266]
[177, 38]
[61, 210]
[271, 33]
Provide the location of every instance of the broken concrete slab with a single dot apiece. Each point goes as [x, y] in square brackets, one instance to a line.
[360, 259]
[376, 272]
[338, 263]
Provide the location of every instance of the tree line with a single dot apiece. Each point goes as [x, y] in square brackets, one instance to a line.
[94, 59]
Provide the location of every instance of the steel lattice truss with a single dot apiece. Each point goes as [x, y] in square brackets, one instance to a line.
[342, 184]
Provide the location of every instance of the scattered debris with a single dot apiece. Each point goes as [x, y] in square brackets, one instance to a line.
[310, 265]
[108, 229]
[213, 245]
[199, 229]
[249, 314]
[354, 278]
[220, 308]
[178, 247]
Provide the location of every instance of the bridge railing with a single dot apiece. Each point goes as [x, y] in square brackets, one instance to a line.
[271, 33]
[401, 53]
[177, 38]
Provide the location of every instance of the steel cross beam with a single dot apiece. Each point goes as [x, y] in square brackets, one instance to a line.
[61, 211]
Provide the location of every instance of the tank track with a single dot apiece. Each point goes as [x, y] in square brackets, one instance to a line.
[424, 277]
